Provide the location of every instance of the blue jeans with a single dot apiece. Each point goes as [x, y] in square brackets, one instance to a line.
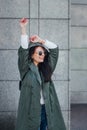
[43, 124]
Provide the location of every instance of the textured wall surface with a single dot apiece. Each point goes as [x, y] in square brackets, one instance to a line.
[48, 19]
[78, 64]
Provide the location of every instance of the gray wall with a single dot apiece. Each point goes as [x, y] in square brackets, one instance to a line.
[78, 62]
[50, 20]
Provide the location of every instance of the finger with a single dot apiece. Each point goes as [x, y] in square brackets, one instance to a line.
[31, 39]
[24, 20]
[21, 19]
[34, 36]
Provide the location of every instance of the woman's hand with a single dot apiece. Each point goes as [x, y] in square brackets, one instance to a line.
[23, 24]
[36, 38]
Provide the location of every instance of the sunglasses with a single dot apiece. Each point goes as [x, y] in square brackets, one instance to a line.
[40, 53]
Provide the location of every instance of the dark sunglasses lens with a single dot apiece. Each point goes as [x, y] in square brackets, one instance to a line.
[40, 53]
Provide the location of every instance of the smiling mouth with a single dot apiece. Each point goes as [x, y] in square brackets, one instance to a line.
[41, 58]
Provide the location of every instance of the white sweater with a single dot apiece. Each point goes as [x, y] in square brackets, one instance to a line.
[24, 44]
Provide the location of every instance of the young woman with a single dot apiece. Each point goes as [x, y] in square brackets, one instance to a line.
[38, 108]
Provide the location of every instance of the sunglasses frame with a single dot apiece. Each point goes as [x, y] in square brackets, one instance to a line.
[40, 53]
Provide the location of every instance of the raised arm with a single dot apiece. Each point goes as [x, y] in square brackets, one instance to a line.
[23, 54]
[54, 53]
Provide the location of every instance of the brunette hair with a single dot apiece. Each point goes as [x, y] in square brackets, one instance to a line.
[44, 67]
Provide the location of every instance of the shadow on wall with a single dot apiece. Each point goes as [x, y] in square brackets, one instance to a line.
[7, 121]
[79, 117]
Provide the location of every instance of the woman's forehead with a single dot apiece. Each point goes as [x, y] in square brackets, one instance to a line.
[39, 48]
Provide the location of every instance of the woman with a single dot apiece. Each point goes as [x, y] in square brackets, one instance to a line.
[38, 108]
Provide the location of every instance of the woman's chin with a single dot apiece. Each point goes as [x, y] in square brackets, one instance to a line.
[41, 61]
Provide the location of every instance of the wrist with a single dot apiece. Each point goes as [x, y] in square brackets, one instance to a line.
[23, 30]
[42, 41]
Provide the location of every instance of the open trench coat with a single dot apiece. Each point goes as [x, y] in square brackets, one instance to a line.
[29, 108]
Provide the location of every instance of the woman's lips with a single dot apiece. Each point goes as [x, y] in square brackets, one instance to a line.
[41, 58]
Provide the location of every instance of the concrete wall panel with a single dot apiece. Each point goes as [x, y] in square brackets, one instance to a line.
[78, 81]
[61, 70]
[8, 65]
[78, 59]
[56, 31]
[34, 8]
[9, 34]
[79, 37]
[78, 15]
[54, 9]
[9, 95]
[61, 90]
[14, 8]
[79, 1]
[33, 27]
[79, 97]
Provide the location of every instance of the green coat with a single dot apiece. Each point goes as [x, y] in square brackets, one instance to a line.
[29, 108]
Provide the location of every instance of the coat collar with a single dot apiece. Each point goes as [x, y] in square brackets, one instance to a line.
[35, 70]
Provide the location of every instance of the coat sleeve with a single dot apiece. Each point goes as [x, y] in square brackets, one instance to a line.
[53, 57]
[23, 61]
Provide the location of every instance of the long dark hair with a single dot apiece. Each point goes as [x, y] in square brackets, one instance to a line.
[44, 67]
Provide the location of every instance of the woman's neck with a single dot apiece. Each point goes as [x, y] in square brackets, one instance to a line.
[35, 63]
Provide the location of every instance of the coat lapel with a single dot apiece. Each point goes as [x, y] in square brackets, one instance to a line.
[35, 70]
